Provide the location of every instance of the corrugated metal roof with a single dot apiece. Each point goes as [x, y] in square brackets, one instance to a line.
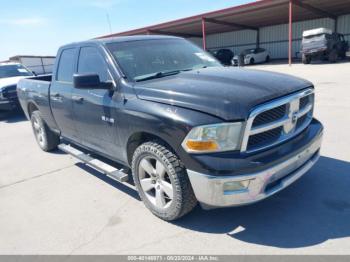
[257, 14]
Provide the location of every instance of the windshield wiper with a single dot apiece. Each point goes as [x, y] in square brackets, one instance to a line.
[159, 75]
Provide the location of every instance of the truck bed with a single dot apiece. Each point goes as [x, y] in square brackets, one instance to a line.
[35, 90]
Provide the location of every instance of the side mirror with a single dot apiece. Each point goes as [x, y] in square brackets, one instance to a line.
[90, 81]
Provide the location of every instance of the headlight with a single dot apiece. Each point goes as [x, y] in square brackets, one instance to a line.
[213, 138]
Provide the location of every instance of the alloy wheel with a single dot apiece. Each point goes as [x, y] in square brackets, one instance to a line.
[39, 131]
[155, 182]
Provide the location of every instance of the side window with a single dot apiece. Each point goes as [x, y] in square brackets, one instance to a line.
[66, 65]
[90, 61]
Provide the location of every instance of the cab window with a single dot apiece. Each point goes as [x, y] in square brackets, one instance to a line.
[91, 61]
[66, 65]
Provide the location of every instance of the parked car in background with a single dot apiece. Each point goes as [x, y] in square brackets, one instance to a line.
[188, 128]
[224, 56]
[253, 56]
[10, 74]
[322, 43]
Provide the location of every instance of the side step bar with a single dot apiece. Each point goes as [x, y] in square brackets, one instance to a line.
[107, 169]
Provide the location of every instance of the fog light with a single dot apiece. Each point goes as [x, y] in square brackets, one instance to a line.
[234, 186]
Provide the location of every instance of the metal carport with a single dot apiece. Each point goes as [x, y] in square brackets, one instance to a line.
[251, 16]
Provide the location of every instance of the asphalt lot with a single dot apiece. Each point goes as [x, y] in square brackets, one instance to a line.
[51, 204]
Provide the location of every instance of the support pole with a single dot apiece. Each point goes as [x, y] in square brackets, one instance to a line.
[258, 38]
[204, 34]
[290, 32]
[336, 25]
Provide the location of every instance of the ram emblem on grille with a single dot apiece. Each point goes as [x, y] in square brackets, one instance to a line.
[292, 115]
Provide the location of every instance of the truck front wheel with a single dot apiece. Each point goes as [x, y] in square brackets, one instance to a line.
[47, 140]
[162, 181]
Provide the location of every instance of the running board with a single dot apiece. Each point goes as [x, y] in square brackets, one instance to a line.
[112, 172]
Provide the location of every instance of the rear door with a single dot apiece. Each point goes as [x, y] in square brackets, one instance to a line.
[61, 93]
[95, 109]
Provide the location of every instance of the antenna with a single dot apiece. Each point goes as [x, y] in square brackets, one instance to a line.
[109, 22]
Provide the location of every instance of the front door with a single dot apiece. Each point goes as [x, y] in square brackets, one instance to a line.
[95, 109]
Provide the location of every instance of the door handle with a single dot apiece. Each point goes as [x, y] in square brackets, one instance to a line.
[77, 99]
[56, 95]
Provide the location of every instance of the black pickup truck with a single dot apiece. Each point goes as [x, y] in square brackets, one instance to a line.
[184, 128]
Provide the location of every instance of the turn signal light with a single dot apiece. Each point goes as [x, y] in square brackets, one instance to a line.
[201, 145]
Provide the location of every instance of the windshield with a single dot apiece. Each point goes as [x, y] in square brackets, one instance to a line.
[13, 70]
[147, 59]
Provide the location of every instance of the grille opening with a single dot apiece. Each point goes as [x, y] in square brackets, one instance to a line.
[264, 138]
[304, 101]
[301, 120]
[270, 115]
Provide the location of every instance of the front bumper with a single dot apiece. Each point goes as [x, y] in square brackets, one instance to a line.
[210, 192]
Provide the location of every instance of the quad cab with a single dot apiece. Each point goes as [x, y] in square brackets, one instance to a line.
[185, 128]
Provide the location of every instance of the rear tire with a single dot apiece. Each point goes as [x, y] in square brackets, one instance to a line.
[251, 61]
[162, 181]
[306, 59]
[333, 56]
[267, 59]
[46, 139]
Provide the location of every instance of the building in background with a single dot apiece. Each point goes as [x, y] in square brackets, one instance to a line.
[40, 65]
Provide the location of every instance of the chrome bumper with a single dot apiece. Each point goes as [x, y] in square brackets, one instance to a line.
[210, 191]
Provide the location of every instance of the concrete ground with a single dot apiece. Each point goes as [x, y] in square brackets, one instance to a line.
[51, 204]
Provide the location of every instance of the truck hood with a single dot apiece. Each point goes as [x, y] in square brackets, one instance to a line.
[9, 81]
[228, 93]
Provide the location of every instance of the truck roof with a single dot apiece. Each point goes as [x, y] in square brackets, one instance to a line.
[123, 39]
[317, 31]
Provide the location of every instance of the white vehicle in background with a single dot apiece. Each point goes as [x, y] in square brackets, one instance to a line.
[10, 74]
[253, 56]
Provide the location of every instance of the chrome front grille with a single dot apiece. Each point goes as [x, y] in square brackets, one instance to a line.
[10, 92]
[277, 121]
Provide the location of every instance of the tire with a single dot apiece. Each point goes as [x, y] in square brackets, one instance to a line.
[251, 61]
[46, 139]
[333, 56]
[306, 59]
[165, 171]
[267, 59]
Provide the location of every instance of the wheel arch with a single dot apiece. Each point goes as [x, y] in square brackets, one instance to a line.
[31, 107]
[138, 138]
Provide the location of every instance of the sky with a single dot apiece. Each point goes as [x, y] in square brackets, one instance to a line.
[39, 27]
